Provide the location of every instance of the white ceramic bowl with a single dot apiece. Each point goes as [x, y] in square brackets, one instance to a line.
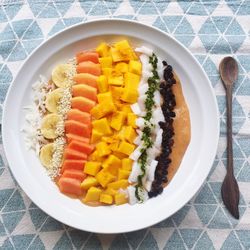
[194, 168]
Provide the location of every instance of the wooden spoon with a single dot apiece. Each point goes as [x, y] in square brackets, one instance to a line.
[229, 189]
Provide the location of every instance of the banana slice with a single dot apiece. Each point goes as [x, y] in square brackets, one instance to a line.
[48, 126]
[60, 75]
[46, 154]
[53, 99]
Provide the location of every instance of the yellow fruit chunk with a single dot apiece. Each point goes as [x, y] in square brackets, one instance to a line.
[106, 62]
[121, 134]
[135, 67]
[118, 184]
[117, 56]
[104, 178]
[115, 80]
[126, 148]
[110, 191]
[95, 157]
[122, 45]
[121, 67]
[107, 71]
[102, 49]
[108, 139]
[112, 164]
[126, 108]
[93, 194]
[89, 182]
[105, 97]
[116, 92]
[96, 136]
[92, 167]
[131, 80]
[102, 109]
[106, 198]
[127, 164]
[102, 83]
[120, 199]
[119, 155]
[97, 112]
[129, 95]
[114, 146]
[131, 120]
[102, 126]
[130, 134]
[117, 120]
[103, 149]
[123, 174]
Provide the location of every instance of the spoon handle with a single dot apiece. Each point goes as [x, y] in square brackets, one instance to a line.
[229, 95]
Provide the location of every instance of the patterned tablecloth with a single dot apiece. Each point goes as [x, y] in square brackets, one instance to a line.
[211, 29]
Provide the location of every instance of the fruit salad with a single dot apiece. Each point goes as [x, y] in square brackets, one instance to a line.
[103, 124]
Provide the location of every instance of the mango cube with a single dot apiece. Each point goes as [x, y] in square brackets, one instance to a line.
[89, 182]
[117, 56]
[110, 191]
[118, 184]
[131, 120]
[102, 49]
[131, 80]
[127, 164]
[93, 194]
[114, 146]
[104, 178]
[95, 157]
[126, 108]
[119, 155]
[102, 126]
[121, 134]
[96, 136]
[121, 67]
[135, 67]
[106, 62]
[120, 199]
[117, 120]
[92, 167]
[129, 95]
[123, 174]
[126, 148]
[106, 198]
[112, 164]
[122, 45]
[107, 71]
[107, 96]
[130, 134]
[115, 80]
[102, 83]
[103, 149]
[116, 92]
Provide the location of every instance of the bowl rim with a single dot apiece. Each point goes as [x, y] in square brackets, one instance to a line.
[5, 125]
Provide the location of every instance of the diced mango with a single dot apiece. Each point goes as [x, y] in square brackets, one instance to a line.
[129, 95]
[112, 164]
[122, 45]
[118, 184]
[93, 194]
[92, 167]
[105, 97]
[108, 139]
[103, 149]
[107, 71]
[119, 155]
[115, 80]
[127, 164]
[114, 146]
[110, 191]
[131, 80]
[123, 174]
[102, 126]
[135, 67]
[106, 198]
[116, 92]
[121, 67]
[126, 148]
[89, 182]
[121, 134]
[126, 108]
[117, 56]
[108, 107]
[95, 157]
[102, 83]
[130, 134]
[106, 62]
[104, 178]
[102, 49]
[97, 112]
[117, 120]
[120, 199]
[131, 120]
[96, 136]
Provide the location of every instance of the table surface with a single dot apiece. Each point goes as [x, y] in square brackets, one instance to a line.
[211, 30]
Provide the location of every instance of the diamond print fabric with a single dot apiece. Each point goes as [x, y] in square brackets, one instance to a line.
[211, 30]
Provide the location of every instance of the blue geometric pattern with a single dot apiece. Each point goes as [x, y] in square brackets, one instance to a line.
[211, 30]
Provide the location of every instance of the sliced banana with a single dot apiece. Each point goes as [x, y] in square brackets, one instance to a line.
[49, 124]
[52, 100]
[46, 154]
[60, 75]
